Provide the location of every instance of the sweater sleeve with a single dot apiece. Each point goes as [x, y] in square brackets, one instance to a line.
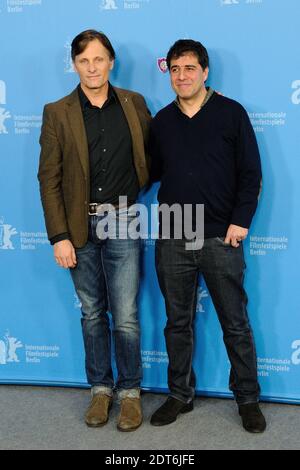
[249, 174]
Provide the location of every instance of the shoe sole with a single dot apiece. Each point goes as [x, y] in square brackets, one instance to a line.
[255, 431]
[129, 430]
[96, 425]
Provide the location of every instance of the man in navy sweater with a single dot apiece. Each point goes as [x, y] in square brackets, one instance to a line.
[204, 151]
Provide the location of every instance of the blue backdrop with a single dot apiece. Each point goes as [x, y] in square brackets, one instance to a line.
[254, 59]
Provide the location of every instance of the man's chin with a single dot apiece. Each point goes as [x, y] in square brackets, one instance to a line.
[95, 86]
[184, 97]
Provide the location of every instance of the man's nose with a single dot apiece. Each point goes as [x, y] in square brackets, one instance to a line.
[91, 67]
[181, 74]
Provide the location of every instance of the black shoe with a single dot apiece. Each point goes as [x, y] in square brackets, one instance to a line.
[169, 411]
[252, 417]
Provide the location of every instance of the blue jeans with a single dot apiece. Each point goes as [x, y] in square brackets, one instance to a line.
[222, 267]
[107, 278]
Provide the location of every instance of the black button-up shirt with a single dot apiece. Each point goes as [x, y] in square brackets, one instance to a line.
[112, 171]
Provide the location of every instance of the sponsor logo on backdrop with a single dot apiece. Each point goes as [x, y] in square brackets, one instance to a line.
[23, 124]
[113, 5]
[4, 114]
[267, 120]
[240, 2]
[162, 65]
[33, 240]
[150, 358]
[2, 92]
[202, 294]
[296, 354]
[270, 366]
[18, 6]
[77, 303]
[69, 68]
[9, 346]
[8, 349]
[296, 93]
[6, 233]
[230, 2]
[109, 5]
[265, 245]
[26, 240]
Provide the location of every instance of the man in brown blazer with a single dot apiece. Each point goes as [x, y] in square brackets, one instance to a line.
[93, 154]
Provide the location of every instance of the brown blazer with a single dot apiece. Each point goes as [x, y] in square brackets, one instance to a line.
[64, 162]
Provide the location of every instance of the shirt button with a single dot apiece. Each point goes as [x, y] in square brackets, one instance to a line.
[100, 189]
[104, 150]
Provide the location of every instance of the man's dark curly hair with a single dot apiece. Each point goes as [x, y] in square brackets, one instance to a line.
[184, 46]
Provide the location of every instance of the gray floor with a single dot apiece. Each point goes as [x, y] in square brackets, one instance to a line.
[52, 418]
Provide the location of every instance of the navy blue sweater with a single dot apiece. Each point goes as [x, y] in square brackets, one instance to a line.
[210, 159]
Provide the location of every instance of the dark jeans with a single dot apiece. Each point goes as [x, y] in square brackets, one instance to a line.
[107, 278]
[222, 267]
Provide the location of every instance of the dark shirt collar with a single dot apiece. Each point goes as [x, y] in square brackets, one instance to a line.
[85, 102]
[209, 94]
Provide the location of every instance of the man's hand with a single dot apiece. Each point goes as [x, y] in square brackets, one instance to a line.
[64, 254]
[235, 235]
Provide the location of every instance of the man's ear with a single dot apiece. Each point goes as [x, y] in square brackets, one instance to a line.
[206, 72]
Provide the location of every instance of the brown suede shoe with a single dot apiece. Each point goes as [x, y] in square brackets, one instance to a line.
[131, 416]
[97, 413]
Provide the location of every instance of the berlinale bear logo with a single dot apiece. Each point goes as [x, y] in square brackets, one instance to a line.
[3, 113]
[8, 349]
[230, 2]
[109, 5]
[296, 94]
[6, 232]
[69, 68]
[202, 294]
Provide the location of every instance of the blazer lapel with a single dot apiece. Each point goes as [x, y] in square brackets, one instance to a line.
[75, 117]
[134, 125]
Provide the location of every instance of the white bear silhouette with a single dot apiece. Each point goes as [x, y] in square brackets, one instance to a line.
[109, 5]
[13, 346]
[3, 116]
[2, 353]
[2, 92]
[8, 232]
[202, 294]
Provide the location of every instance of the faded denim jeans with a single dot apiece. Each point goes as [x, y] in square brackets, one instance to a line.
[107, 279]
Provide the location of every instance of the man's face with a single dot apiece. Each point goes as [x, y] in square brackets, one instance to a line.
[93, 65]
[187, 77]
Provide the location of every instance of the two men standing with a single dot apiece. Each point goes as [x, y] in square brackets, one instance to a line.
[204, 152]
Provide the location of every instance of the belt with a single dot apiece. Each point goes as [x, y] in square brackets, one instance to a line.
[96, 208]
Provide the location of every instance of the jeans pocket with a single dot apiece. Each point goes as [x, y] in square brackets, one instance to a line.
[222, 241]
